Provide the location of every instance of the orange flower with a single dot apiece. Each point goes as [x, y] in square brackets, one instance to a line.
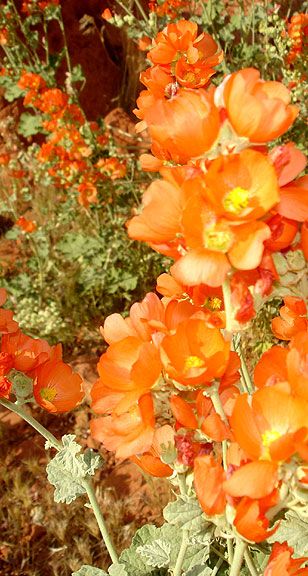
[220, 228]
[130, 433]
[258, 110]
[159, 224]
[53, 101]
[151, 462]
[5, 387]
[56, 388]
[106, 14]
[138, 324]
[31, 81]
[250, 520]
[297, 31]
[208, 479]
[254, 480]
[28, 353]
[188, 56]
[271, 367]
[292, 319]
[128, 370]
[286, 367]
[266, 428]
[26, 225]
[281, 563]
[283, 232]
[183, 127]
[288, 162]
[294, 200]
[195, 354]
[144, 43]
[241, 187]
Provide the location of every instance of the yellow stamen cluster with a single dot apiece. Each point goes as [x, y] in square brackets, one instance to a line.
[193, 362]
[219, 240]
[48, 394]
[268, 438]
[236, 200]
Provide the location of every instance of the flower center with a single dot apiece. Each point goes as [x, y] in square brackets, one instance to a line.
[218, 238]
[214, 303]
[236, 200]
[193, 362]
[270, 436]
[48, 394]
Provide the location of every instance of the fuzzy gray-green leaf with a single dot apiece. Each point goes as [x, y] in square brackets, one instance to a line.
[186, 513]
[68, 470]
[156, 554]
[293, 530]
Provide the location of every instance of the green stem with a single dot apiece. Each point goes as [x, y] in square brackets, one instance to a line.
[181, 555]
[250, 563]
[46, 45]
[215, 570]
[230, 550]
[32, 54]
[238, 558]
[220, 411]
[142, 12]
[244, 372]
[34, 423]
[87, 482]
[226, 290]
[100, 521]
[182, 483]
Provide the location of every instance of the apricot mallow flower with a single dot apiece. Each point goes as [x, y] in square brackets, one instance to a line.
[259, 110]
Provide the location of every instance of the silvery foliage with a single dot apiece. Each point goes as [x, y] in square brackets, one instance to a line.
[69, 470]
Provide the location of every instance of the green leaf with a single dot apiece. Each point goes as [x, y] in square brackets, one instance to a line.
[293, 530]
[186, 513]
[139, 562]
[29, 124]
[134, 562]
[87, 570]
[67, 470]
[12, 92]
[156, 554]
[77, 74]
[13, 233]
[117, 570]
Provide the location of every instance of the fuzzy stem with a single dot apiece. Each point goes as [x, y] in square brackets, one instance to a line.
[238, 558]
[220, 411]
[182, 483]
[245, 372]
[216, 569]
[250, 563]
[33, 422]
[101, 521]
[142, 12]
[181, 555]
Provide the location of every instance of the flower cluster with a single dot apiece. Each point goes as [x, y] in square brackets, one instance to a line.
[297, 32]
[75, 150]
[171, 8]
[55, 387]
[232, 202]
[170, 394]
[30, 6]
